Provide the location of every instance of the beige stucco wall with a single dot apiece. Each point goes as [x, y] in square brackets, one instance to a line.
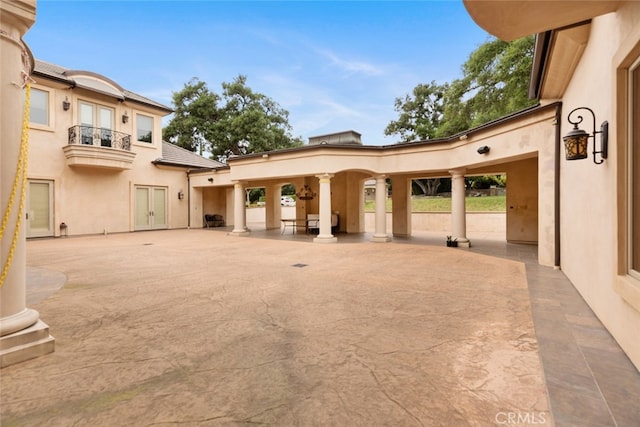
[522, 201]
[91, 199]
[440, 222]
[589, 217]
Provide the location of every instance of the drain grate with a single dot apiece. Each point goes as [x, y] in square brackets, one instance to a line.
[299, 265]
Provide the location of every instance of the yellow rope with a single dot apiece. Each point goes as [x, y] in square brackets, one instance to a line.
[21, 177]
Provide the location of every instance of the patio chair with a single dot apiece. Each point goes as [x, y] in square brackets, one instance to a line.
[213, 220]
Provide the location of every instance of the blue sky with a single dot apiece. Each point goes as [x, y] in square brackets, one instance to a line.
[334, 65]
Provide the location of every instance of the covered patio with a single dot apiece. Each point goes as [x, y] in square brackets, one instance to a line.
[523, 146]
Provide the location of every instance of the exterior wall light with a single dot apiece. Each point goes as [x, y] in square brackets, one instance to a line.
[484, 149]
[180, 195]
[576, 141]
[66, 104]
[125, 117]
[210, 180]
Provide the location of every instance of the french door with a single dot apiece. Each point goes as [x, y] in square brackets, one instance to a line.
[40, 208]
[150, 208]
[96, 124]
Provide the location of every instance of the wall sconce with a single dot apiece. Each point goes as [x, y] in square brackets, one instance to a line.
[125, 117]
[306, 193]
[210, 180]
[484, 149]
[180, 195]
[66, 104]
[576, 141]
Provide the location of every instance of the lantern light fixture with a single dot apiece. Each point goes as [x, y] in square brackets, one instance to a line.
[306, 193]
[125, 117]
[577, 140]
[66, 104]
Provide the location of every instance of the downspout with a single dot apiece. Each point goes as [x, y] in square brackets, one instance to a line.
[556, 184]
[188, 199]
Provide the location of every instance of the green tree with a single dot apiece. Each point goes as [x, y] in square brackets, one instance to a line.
[495, 83]
[195, 110]
[420, 113]
[240, 121]
[250, 122]
[496, 80]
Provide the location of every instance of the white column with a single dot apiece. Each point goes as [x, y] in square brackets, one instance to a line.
[380, 235]
[22, 334]
[325, 235]
[458, 209]
[239, 212]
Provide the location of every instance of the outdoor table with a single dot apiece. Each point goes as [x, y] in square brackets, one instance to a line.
[293, 223]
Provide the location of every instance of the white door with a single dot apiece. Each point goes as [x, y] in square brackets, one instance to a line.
[40, 208]
[151, 208]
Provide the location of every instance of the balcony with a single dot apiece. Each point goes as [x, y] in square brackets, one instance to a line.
[98, 148]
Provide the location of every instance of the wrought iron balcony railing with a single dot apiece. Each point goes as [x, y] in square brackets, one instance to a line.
[88, 135]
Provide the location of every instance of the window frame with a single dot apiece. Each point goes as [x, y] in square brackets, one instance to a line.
[97, 132]
[140, 116]
[633, 167]
[626, 60]
[48, 112]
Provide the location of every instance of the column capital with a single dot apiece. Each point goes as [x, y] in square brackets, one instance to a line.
[458, 172]
[325, 176]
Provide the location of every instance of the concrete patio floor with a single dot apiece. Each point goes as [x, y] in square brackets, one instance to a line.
[194, 327]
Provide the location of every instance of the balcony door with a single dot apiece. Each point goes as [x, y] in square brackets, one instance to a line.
[151, 208]
[40, 208]
[96, 124]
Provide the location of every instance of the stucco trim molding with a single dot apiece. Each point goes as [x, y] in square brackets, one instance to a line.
[629, 289]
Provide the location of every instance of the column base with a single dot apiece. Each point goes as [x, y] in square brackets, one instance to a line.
[463, 242]
[26, 344]
[325, 239]
[18, 321]
[381, 238]
[239, 233]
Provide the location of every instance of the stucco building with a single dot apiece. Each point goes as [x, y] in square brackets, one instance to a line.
[584, 215]
[97, 161]
[588, 55]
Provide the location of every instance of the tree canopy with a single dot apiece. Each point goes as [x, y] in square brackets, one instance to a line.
[495, 83]
[239, 121]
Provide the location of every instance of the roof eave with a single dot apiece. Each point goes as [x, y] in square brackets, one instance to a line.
[510, 20]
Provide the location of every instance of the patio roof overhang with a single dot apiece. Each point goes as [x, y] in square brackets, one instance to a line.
[517, 136]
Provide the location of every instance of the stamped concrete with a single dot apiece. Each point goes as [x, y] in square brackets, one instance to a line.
[192, 327]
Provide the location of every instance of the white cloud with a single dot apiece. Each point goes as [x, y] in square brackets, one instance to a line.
[351, 66]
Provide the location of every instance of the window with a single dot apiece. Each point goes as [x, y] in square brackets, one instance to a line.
[144, 128]
[96, 124]
[634, 174]
[39, 101]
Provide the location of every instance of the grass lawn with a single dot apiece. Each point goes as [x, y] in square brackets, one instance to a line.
[443, 204]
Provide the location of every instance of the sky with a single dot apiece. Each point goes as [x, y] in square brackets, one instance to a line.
[333, 65]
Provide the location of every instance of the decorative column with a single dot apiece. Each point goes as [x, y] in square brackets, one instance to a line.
[380, 235]
[458, 209]
[239, 212]
[325, 235]
[23, 335]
